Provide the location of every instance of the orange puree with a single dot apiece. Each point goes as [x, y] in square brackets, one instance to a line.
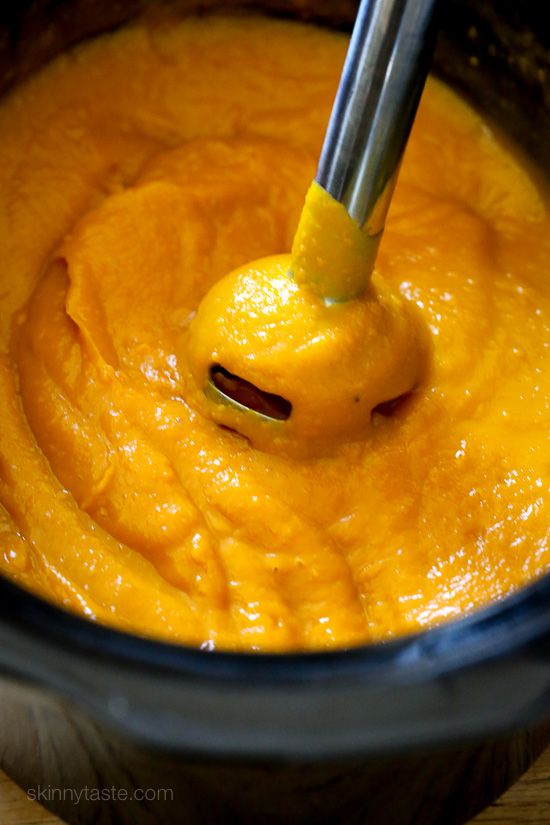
[137, 171]
[273, 324]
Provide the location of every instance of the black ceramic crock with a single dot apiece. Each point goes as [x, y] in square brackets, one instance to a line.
[424, 730]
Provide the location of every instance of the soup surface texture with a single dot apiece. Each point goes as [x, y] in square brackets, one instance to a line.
[137, 171]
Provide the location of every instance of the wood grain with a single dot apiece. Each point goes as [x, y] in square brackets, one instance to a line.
[527, 802]
[16, 809]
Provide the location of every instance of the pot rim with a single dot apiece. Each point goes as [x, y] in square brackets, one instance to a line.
[491, 631]
[480, 676]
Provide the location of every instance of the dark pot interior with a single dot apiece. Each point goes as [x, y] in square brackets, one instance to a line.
[425, 730]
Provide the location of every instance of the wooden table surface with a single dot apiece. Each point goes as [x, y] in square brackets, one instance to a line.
[528, 801]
